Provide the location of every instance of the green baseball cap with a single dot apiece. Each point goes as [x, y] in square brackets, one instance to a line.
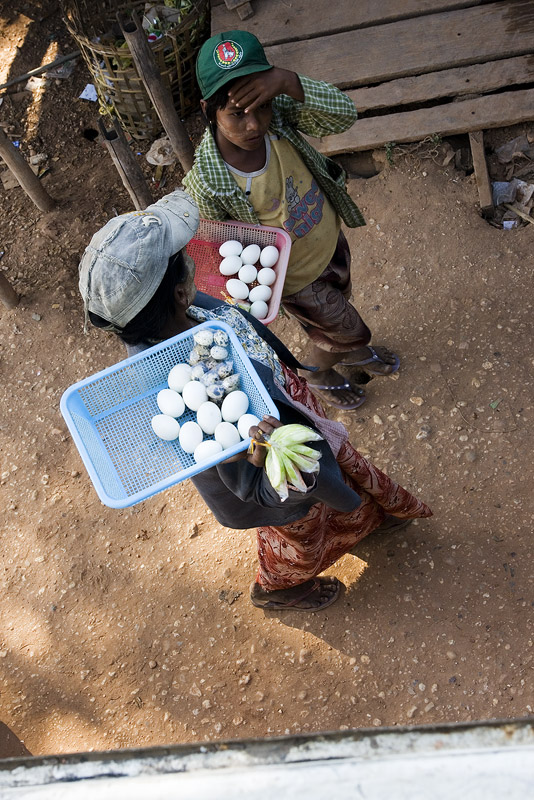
[226, 56]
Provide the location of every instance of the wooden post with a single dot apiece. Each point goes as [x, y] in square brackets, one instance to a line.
[476, 139]
[8, 295]
[127, 167]
[159, 94]
[25, 175]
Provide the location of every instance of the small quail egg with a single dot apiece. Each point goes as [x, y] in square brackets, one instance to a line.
[230, 248]
[266, 276]
[179, 376]
[247, 273]
[231, 383]
[198, 371]
[209, 378]
[230, 265]
[245, 423]
[220, 338]
[190, 436]
[269, 256]
[208, 417]
[227, 435]
[194, 357]
[165, 427]
[219, 353]
[194, 394]
[215, 391]
[234, 406]
[260, 293]
[237, 289]
[170, 403]
[204, 338]
[259, 309]
[206, 450]
[224, 369]
[250, 254]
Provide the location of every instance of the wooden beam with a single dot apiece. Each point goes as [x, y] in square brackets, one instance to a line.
[413, 46]
[508, 108]
[477, 79]
[276, 21]
[476, 139]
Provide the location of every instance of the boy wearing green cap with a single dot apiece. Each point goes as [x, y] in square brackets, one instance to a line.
[254, 165]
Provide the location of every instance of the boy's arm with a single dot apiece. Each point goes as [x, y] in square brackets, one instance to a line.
[313, 107]
[326, 110]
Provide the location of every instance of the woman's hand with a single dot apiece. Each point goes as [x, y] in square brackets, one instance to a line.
[258, 432]
[259, 88]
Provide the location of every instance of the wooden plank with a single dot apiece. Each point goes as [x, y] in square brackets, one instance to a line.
[490, 111]
[413, 46]
[277, 21]
[476, 79]
[476, 139]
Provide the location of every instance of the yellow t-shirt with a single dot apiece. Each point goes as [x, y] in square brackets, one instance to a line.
[284, 194]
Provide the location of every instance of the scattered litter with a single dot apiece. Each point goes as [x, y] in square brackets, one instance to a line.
[35, 84]
[161, 153]
[8, 180]
[63, 71]
[494, 404]
[89, 93]
[16, 143]
[516, 147]
[508, 224]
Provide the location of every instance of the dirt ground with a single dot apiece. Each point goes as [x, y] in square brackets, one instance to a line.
[133, 628]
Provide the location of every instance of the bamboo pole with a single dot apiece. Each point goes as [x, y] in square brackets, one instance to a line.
[8, 295]
[25, 175]
[159, 94]
[127, 166]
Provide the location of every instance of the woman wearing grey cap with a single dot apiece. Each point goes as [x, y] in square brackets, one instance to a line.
[137, 280]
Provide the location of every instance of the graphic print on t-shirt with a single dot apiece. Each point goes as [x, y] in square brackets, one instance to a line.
[303, 213]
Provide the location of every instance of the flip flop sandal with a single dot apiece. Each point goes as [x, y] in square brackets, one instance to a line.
[374, 359]
[317, 387]
[272, 605]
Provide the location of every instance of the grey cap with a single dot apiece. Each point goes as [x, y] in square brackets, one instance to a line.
[126, 260]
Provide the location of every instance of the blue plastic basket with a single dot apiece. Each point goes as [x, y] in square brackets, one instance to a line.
[109, 414]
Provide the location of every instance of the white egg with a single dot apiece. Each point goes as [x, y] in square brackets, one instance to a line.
[190, 436]
[245, 423]
[194, 394]
[247, 273]
[179, 376]
[170, 402]
[230, 248]
[227, 435]
[234, 406]
[237, 289]
[260, 293]
[208, 417]
[230, 265]
[266, 276]
[165, 427]
[269, 256]
[250, 254]
[206, 450]
[259, 309]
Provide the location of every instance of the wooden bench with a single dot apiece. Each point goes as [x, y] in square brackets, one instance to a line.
[414, 68]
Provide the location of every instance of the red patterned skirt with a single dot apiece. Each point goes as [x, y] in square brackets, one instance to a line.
[294, 553]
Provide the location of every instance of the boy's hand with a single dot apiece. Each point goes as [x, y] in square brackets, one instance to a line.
[259, 88]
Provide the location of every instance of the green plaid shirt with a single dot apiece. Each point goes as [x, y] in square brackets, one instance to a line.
[325, 110]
